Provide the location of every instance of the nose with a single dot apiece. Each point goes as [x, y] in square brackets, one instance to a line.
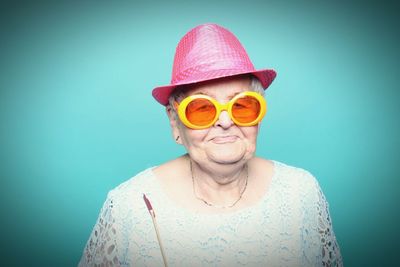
[224, 120]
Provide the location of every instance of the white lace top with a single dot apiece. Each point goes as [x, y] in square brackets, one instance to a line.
[290, 226]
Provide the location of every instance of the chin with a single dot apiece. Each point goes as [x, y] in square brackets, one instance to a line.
[226, 157]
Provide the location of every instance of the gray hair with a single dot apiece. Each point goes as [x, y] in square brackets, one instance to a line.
[178, 94]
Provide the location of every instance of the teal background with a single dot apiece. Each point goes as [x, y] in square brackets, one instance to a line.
[77, 117]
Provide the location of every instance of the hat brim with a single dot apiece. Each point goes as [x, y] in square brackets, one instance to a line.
[162, 93]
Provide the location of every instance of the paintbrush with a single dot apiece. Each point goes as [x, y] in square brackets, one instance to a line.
[153, 218]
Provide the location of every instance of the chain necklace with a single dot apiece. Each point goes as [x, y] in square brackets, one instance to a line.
[217, 206]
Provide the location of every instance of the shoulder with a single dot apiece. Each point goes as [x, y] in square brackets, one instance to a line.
[300, 187]
[289, 172]
[295, 178]
[128, 195]
[171, 168]
[140, 179]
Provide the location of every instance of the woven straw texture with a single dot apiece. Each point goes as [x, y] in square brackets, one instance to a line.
[208, 52]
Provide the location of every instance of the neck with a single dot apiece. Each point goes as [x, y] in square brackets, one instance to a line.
[222, 188]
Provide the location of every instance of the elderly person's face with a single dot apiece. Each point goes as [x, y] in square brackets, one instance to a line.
[224, 142]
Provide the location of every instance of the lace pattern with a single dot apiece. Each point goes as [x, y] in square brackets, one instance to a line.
[290, 226]
[101, 249]
[330, 248]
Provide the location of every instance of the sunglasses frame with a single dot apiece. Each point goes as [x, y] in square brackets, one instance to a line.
[181, 108]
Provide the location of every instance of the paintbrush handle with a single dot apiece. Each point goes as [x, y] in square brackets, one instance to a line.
[159, 239]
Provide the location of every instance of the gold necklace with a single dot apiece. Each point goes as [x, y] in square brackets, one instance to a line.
[217, 206]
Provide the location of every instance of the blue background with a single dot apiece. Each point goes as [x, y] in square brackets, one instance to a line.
[77, 117]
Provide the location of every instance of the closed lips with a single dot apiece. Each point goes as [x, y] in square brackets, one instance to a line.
[224, 139]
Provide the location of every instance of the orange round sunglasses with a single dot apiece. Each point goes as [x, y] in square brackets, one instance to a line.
[202, 111]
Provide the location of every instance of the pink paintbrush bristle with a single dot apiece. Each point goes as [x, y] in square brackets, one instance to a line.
[148, 204]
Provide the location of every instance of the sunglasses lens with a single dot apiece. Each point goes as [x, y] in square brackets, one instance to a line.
[246, 109]
[200, 112]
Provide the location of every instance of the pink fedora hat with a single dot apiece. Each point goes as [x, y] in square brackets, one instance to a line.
[208, 52]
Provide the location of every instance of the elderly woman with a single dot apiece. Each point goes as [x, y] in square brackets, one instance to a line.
[219, 204]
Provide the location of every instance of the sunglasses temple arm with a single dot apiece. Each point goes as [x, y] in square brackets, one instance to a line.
[153, 218]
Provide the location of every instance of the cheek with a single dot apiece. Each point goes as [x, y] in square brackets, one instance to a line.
[250, 133]
[250, 138]
[193, 137]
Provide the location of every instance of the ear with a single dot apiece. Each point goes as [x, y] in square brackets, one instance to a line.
[173, 122]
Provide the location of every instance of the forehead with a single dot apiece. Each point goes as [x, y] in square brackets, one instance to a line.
[221, 88]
